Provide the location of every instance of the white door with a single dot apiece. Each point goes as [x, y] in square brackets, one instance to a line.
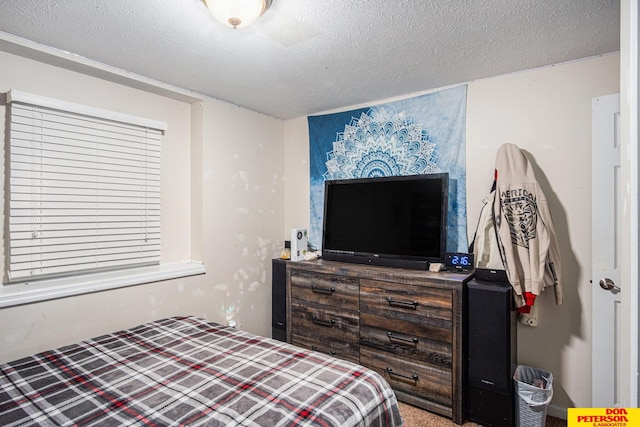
[605, 250]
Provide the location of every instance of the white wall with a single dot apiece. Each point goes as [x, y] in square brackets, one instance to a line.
[222, 203]
[243, 201]
[547, 113]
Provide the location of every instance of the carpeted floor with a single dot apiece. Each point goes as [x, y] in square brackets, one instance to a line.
[416, 417]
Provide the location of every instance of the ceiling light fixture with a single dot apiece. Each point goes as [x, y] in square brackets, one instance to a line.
[237, 13]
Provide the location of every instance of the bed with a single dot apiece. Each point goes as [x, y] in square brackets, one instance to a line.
[188, 371]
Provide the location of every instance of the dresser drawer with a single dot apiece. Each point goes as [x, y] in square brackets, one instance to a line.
[417, 379]
[425, 343]
[409, 302]
[324, 323]
[335, 291]
[337, 348]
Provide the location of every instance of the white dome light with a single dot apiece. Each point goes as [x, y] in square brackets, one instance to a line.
[237, 13]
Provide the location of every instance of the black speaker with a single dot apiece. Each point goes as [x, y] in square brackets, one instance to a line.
[279, 299]
[490, 346]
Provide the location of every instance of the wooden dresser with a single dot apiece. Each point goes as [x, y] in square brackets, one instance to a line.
[404, 324]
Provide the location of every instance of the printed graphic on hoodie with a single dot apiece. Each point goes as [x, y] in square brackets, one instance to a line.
[520, 209]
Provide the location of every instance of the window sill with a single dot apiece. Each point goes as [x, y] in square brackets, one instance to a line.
[25, 293]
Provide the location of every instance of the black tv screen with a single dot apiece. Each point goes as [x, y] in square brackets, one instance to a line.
[395, 221]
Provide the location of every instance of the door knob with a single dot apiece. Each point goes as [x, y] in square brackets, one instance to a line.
[608, 284]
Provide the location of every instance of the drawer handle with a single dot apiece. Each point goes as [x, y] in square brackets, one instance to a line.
[323, 322]
[403, 304]
[330, 352]
[319, 290]
[401, 340]
[413, 377]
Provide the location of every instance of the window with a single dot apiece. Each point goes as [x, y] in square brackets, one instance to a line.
[84, 189]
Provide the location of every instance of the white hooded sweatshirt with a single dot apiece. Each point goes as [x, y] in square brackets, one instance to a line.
[526, 235]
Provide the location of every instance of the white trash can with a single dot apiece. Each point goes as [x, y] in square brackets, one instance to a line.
[534, 390]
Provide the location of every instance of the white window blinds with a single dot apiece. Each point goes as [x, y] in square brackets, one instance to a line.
[84, 189]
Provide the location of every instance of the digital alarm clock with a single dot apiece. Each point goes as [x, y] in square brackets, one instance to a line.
[459, 261]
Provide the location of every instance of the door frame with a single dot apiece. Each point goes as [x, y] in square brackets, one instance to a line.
[630, 274]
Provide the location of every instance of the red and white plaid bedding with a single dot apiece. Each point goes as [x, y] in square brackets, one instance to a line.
[187, 371]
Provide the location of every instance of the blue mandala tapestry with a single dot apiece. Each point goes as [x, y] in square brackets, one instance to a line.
[424, 134]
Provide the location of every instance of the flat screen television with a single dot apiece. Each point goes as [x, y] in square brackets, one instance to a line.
[398, 221]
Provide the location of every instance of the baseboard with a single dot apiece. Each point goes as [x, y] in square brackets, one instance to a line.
[557, 411]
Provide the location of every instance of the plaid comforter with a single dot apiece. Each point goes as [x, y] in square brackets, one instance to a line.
[187, 371]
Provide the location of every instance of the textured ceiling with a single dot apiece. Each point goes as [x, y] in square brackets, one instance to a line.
[306, 56]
